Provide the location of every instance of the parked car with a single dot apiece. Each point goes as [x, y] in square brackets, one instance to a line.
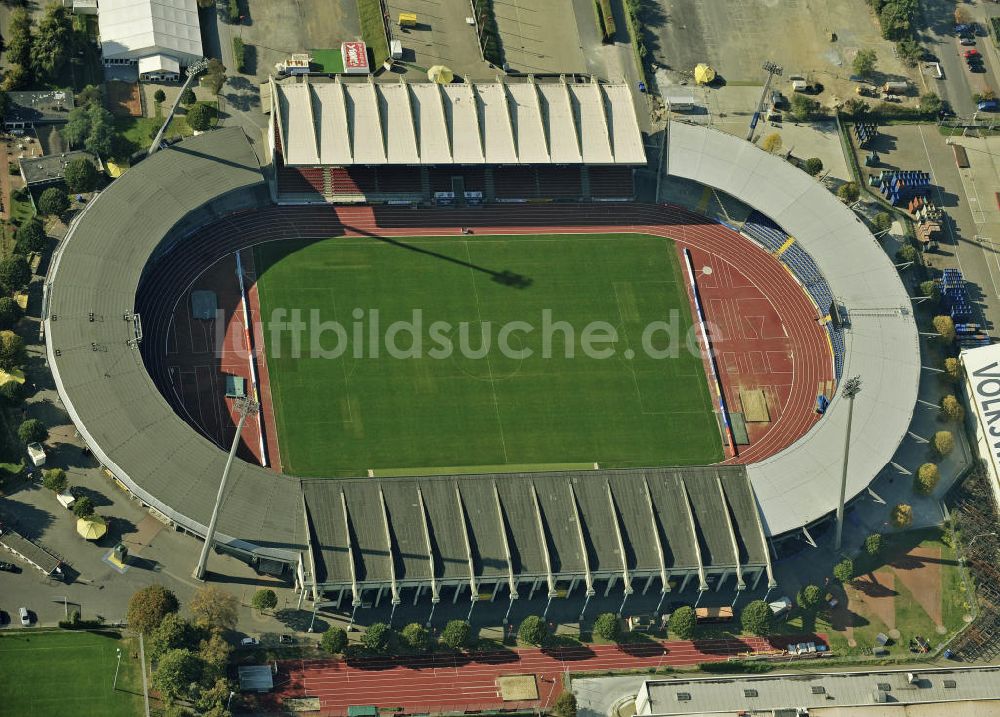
[977, 67]
[249, 642]
[967, 41]
[286, 639]
[9, 568]
[25, 616]
[970, 53]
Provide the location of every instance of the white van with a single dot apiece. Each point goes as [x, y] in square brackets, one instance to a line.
[25, 617]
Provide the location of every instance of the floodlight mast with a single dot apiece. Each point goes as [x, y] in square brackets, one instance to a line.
[245, 408]
[771, 69]
[851, 388]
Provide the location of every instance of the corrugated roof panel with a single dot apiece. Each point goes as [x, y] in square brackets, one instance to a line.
[532, 139]
[365, 122]
[497, 124]
[432, 129]
[588, 106]
[400, 134]
[626, 138]
[564, 137]
[331, 116]
[463, 115]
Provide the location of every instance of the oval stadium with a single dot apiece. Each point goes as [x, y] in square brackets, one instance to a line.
[205, 275]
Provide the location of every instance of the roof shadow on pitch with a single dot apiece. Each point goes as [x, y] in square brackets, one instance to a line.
[505, 277]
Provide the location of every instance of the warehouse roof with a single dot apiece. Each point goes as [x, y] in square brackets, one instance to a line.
[707, 696]
[801, 483]
[39, 107]
[365, 122]
[129, 25]
[102, 379]
[563, 523]
[52, 167]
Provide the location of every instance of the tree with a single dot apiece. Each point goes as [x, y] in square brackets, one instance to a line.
[12, 353]
[19, 39]
[90, 95]
[945, 328]
[377, 638]
[176, 672]
[756, 618]
[864, 63]
[607, 627]
[147, 607]
[906, 254]
[10, 313]
[894, 17]
[160, 96]
[873, 544]
[200, 117]
[926, 479]
[882, 221]
[961, 16]
[809, 597]
[214, 607]
[930, 289]
[90, 127]
[264, 599]
[909, 51]
[173, 632]
[456, 634]
[813, 166]
[844, 570]
[416, 637]
[32, 431]
[53, 201]
[902, 516]
[682, 622]
[55, 480]
[334, 640]
[532, 630]
[12, 392]
[53, 41]
[565, 705]
[30, 237]
[187, 97]
[849, 192]
[944, 443]
[215, 76]
[15, 273]
[952, 409]
[951, 368]
[81, 175]
[930, 104]
[854, 107]
[214, 651]
[83, 507]
[15, 78]
[803, 108]
[771, 143]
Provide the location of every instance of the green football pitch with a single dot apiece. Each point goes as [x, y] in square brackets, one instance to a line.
[68, 673]
[527, 404]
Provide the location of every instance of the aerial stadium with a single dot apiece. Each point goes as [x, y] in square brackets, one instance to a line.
[373, 479]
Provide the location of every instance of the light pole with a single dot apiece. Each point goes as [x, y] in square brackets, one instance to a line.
[245, 408]
[65, 602]
[852, 387]
[114, 685]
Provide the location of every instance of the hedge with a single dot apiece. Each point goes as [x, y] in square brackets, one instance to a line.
[239, 54]
[605, 19]
[233, 11]
[489, 34]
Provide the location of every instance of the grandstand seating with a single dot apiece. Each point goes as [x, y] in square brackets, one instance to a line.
[839, 349]
[440, 177]
[515, 182]
[300, 180]
[611, 182]
[764, 231]
[559, 182]
[399, 180]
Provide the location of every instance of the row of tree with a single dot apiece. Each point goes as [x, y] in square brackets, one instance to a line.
[190, 654]
[41, 52]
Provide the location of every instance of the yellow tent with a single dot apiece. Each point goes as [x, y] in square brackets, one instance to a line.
[92, 528]
[440, 74]
[703, 74]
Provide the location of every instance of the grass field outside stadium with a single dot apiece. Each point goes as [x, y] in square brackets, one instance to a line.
[68, 673]
[515, 353]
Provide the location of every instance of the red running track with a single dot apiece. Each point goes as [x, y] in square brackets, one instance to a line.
[796, 359]
[456, 683]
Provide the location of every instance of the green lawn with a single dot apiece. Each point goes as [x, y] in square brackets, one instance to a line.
[373, 31]
[344, 415]
[67, 673]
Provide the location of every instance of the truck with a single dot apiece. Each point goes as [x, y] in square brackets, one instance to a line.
[896, 88]
[37, 454]
[799, 83]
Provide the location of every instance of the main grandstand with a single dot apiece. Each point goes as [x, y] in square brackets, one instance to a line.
[365, 141]
[367, 539]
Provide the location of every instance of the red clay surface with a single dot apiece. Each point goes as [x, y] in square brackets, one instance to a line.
[456, 683]
[765, 329]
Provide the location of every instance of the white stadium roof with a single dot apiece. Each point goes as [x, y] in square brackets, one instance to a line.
[802, 482]
[345, 123]
[129, 27]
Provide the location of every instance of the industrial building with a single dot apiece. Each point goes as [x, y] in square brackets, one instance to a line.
[160, 36]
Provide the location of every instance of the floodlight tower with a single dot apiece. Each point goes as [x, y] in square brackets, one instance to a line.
[245, 408]
[852, 387]
[771, 69]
